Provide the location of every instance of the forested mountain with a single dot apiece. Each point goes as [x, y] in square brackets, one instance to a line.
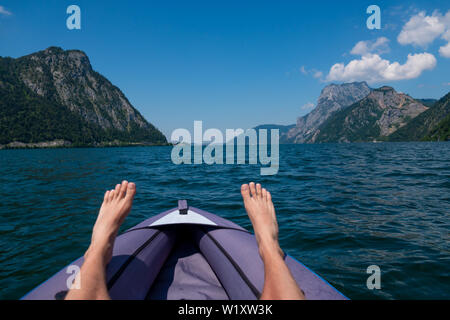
[56, 95]
[373, 118]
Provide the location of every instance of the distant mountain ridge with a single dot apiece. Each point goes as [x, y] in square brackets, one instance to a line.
[427, 102]
[373, 118]
[56, 95]
[333, 97]
[432, 125]
[283, 130]
[375, 115]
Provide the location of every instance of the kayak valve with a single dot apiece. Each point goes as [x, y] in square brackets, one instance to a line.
[182, 206]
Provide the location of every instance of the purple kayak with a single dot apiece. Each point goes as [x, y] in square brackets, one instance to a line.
[187, 253]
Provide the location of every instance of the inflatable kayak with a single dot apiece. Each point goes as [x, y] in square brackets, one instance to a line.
[187, 253]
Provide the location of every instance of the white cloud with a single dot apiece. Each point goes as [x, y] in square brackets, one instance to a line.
[314, 72]
[373, 68]
[445, 50]
[446, 35]
[318, 74]
[303, 70]
[422, 30]
[307, 106]
[4, 11]
[365, 47]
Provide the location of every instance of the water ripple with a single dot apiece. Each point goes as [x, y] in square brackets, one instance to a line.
[340, 208]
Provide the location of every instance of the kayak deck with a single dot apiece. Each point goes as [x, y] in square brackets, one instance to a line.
[187, 275]
[187, 253]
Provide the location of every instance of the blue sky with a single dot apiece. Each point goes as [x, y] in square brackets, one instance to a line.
[234, 64]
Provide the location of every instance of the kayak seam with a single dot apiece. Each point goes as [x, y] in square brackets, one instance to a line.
[215, 227]
[318, 276]
[247, 281]
[122, 268]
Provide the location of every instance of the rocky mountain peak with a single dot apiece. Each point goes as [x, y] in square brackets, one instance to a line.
[384, 89]
[374, 117]
[342, 95]
[72, 62]
[387, 97]
[333, 97]
[335, 90]
[66, 78]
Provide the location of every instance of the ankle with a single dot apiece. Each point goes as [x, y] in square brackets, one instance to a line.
[96, 253]
[270, 250]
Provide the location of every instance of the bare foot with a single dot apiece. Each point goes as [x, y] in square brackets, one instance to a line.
[260, 209]
[115, 207]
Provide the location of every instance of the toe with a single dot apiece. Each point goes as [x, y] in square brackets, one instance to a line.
[106, 197]
[245, 192]
[258, 190]
[264, 193]
[111, 194]
[252, 189]
[123, 189]
[131, 191]
[117, 190]
[269, 197]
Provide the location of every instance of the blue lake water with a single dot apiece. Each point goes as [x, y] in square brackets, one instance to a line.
[341, 208]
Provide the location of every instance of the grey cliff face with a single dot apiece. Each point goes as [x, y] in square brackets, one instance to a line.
[398, 109]
[373, 118]
[69, 74]
[332, 98]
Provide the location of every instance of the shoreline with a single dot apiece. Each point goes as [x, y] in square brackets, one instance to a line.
[16, 145]
[64, 144]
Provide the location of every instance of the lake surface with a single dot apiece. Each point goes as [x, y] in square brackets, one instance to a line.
[341, 208]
